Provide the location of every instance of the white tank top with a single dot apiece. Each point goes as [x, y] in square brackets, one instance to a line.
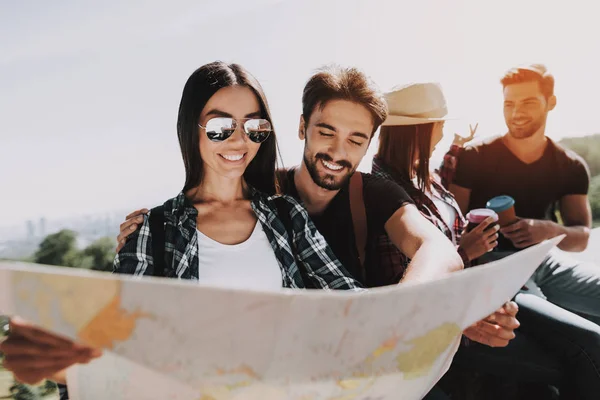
[249, 265]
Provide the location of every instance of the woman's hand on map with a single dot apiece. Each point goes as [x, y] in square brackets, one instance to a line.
[481, 240]
[132, 222]
[497, 330]
[33, 354]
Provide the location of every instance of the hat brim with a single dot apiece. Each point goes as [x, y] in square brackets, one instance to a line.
[395, 120]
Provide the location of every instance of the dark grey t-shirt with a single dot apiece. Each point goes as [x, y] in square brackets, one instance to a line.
[490, 169]
[382, 199]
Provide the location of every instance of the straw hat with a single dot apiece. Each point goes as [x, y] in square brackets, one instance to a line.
[416, 103]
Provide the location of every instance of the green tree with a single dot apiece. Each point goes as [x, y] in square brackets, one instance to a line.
[588, 147]
[20, 391]
[57, 249]
[48, 388]
[101, 254]
[77, 259]
[61, 249]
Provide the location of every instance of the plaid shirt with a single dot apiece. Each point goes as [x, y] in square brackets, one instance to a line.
[392, 260]
[448, 168]
[320, 266]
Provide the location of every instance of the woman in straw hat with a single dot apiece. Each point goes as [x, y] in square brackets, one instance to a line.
[407, 140]
[552, 346]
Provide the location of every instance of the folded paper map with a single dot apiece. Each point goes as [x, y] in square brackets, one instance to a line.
[169, 339]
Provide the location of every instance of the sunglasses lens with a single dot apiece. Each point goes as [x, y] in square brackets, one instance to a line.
[258, 130]
[219, 129]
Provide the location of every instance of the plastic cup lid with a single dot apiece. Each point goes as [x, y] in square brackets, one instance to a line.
[478, 215]
[500, 203]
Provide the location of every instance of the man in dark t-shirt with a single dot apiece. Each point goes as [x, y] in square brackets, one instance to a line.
[543, 178]
[342, 110]
[382, 198]
[491, 169]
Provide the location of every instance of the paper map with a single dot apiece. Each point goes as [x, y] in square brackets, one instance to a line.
[169, 339]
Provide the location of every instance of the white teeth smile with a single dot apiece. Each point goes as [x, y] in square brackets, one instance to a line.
[332, 166]
[232, 157]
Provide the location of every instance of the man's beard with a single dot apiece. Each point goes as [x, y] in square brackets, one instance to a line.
[527, 130]
[327, 181]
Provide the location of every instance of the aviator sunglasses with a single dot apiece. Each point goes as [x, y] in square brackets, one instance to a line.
[221, 128]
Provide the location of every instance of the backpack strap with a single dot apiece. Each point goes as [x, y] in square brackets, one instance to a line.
[157, 231]
[282, 210]
[359, 218]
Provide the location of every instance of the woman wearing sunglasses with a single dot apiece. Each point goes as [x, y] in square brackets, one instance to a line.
[227, 226]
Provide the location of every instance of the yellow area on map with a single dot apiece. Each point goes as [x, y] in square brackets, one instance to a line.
[349, 384]
[255, 390]
[91, 306]
[386, 347]
[418, 361]
[110, 325]
[261, 391]
[241, 370]
[80, 298]
[354, 388]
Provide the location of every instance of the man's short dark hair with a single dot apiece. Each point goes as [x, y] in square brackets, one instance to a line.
[531, 73]
[333, 82]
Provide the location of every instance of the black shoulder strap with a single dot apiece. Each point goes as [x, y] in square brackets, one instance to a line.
[359, 218]
[284, 215]
[157, 231]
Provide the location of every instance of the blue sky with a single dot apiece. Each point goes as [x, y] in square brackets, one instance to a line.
[89, 90]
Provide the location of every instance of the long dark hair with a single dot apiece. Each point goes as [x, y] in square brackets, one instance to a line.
[199, 88]
[398, 146]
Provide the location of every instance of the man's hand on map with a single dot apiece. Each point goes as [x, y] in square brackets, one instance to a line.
[33, 354]
[132, 222]
[497, 330]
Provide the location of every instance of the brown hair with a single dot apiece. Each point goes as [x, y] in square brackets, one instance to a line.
[336, 83]
[398, 146]
[532, 73]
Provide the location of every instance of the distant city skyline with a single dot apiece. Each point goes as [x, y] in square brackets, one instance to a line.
[90, 92]
[22, 240]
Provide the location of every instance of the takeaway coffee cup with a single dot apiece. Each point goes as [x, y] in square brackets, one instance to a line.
[478, 215]
[504, 206]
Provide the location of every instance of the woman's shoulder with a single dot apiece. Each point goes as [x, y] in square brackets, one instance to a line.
[175, 208]
[278, 200]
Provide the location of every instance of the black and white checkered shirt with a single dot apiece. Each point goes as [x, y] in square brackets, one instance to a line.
[311, 265]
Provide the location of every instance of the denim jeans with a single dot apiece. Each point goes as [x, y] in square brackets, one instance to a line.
[552, 346]
[574, 340]
[564, 281]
